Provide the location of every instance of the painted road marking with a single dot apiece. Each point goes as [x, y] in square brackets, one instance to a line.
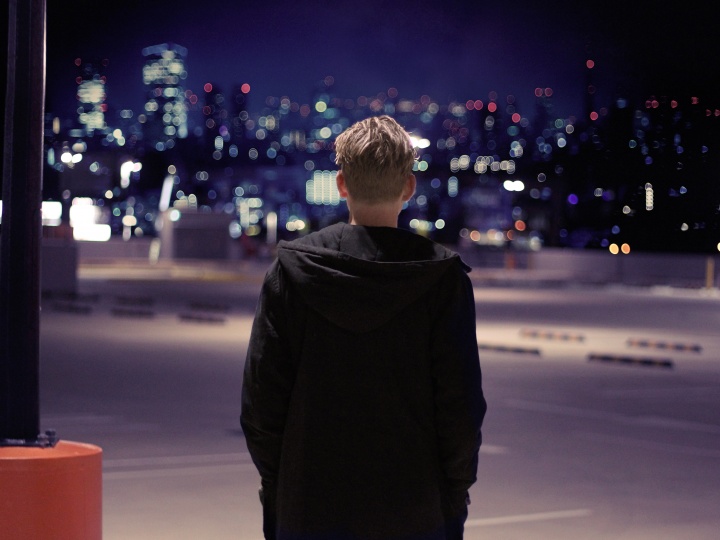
[493, 449]
[649, 445]
[503, 348]
[154, 461]
[543, 334]
[526, 518]
[650, 344]
[139, 474]
[172, 466]
[640, 361]
[645, 421]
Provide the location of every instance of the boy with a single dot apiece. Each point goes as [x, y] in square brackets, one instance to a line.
[362, 401]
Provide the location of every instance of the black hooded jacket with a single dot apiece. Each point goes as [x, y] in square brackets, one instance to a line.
[362, 401]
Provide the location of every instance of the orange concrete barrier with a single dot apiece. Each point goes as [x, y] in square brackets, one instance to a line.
[51, 493]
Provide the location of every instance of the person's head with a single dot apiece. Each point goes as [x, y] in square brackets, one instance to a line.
[376, 160]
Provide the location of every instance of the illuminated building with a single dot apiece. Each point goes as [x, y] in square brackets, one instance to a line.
[240, 113]
[216, 117]
[165, 108]
[91, 95]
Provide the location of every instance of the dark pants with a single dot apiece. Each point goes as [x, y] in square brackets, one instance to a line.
[455, 527]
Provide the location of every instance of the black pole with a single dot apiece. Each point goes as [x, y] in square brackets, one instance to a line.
[21, 224]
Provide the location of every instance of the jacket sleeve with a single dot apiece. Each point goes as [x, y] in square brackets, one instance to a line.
[459, 402]
[267, 381]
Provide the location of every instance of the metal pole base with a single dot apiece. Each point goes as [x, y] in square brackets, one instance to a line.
[51, 493]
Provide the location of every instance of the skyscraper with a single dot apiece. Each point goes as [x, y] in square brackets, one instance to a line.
[91, 94]
[165, 107]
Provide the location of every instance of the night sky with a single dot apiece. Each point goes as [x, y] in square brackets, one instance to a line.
[448, 50]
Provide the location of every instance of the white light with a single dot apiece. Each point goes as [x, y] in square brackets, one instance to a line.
[440, 223]
[175, 215]
[271, 227]
[418, 142]
[649, 197]
[126, 169]
[235, 230]
[66, 157]
[166, 193]
[513, 185]
[129, 221]
[51, 213]
[83, 212]
[92, 233]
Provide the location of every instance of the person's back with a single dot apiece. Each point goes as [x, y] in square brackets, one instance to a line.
[362, 399]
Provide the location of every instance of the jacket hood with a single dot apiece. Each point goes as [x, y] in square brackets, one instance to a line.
[361, 277]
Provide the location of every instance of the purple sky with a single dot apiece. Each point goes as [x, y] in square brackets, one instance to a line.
[447, 49]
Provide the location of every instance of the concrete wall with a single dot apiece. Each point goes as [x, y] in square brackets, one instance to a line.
[115, 248]
[58, 266]
[635, 268]
[553, 264]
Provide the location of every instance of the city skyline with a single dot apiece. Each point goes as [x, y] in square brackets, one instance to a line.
[592, 147]
[448, 50]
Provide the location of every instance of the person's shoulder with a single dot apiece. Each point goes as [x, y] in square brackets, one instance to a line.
[325, 237]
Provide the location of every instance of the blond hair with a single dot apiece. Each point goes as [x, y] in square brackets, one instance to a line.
[376, 157]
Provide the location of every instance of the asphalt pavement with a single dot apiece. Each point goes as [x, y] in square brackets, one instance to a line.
[603, 422]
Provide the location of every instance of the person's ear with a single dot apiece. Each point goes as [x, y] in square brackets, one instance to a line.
[409, 189]
[341, 184]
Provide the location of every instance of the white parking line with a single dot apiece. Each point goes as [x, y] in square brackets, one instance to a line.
[163, 461]
[174, 472]
[493, 449]
[524, 518]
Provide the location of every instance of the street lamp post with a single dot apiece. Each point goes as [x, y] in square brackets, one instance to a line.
[22, 223]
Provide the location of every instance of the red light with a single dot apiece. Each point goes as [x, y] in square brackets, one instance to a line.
[207, 87]
[593, 116]
[695, 100]
[78, 80]
[392, 92]
[538, 92]
[548, 92]
[492, 107]
[516, 117]
[245, 88]
[478, 105]
[674, 104]
[470, 105]
[78, 61]
[590, 64]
